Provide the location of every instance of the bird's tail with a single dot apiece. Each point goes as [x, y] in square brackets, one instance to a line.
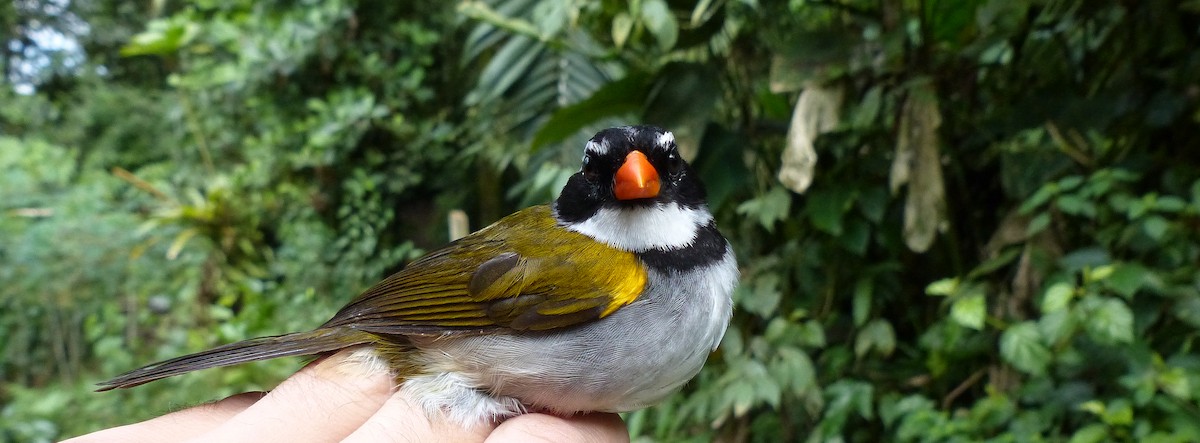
[263, 348]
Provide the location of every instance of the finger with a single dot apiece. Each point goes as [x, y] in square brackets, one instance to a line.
[401, 419]
[595, 427]
[179, 425]
[325, 401]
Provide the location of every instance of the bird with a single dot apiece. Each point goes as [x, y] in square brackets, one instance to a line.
[609, 299]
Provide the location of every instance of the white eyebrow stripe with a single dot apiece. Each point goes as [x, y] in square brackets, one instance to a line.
[665, 139]
[597, 148]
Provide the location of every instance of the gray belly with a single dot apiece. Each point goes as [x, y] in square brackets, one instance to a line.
[633, 358]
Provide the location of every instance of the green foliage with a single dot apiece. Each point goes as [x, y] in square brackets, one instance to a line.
[997, 241]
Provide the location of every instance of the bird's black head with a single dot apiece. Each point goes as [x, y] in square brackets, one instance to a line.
[629, 167]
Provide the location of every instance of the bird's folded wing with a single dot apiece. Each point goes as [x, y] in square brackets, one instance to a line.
[522, 273]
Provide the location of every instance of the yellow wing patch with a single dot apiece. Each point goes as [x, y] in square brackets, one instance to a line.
[573, 264]
[523, 272]
[629, 280]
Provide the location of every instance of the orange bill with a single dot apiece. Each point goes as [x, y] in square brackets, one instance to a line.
[636, 179]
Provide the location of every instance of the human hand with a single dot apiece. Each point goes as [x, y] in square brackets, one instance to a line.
[340, 398]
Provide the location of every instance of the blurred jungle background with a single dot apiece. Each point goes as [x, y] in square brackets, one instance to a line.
[957, 220]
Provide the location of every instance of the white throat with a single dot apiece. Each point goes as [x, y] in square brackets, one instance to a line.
[662, 226]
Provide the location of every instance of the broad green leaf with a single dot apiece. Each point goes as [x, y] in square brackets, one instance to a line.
[1175, 381]
[1120, 202]
[865, 114]
[855, 236]
[769, 208]
[872, 203]
[479, 10]
[1143, 386]
[825, 208]
[1074, 205]
[621, 97]
[1170, 204]
[1187, 309]
[1136, 209]
[793, 369]
[992, 264]
[944, 287]
[179, 242]
[780, 330]
[1117, 413]
[1057, 326]
[1021, 346]
[891, 409]
[511, 63]
[661, 22]
[551, 17]
[1126, 279]
[679, 85]
[1093, 433]
[1087, 257]
[850, 396]
[1097, 274]
[814, 56]
[970, 309]
[765, 296]
[720, 163]
[1057, 297]
[1038, 224]
[769, 391]
[622, 26]
[1155, 227]
[954, 21]
[995, 410]
[877, 336]
[1108, 320]
[162, 37]
[732, 344]
[748, 383]
[1069, 183]
[1039, 198]
[702, 12]
[812, 334]
[861, 303]
[1195, 191]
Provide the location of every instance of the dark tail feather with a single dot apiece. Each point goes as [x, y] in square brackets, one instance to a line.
[299, 343]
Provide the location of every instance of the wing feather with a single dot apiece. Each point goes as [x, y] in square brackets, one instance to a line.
[522, 273]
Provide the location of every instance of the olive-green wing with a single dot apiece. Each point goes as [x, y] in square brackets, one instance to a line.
[522, 273]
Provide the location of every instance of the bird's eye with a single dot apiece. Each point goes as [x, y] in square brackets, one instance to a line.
[674, 164]
[588, 169]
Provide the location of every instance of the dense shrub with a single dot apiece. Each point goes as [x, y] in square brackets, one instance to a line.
[957, 221]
